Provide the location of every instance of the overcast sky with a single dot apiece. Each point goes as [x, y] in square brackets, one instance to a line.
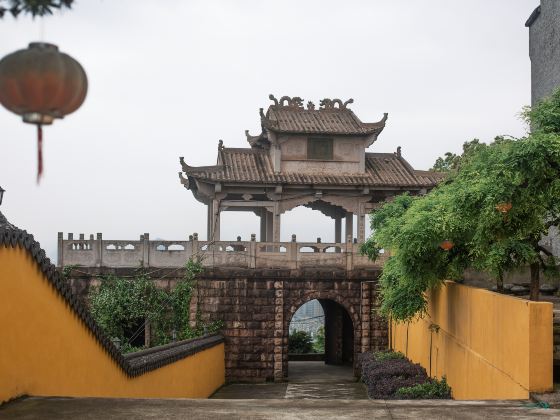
[171, 78]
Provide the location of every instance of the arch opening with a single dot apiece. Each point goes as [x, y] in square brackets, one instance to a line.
[320, 335]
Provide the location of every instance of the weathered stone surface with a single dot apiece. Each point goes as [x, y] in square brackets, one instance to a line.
[257, 305]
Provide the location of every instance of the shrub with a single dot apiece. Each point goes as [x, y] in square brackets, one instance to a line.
[389, 375]
[433, 389]
[384, 377]
[300, 342]
[123, 306]
[387, 355]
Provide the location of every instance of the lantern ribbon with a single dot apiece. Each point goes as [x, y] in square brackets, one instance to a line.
[39, 152]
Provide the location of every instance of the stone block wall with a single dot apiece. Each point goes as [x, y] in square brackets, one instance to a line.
[256, 306]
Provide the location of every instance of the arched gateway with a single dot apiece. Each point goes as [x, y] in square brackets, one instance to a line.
[303, 157]
[309, 157]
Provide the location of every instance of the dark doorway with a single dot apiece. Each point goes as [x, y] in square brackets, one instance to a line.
[337, 330]
[339, 334]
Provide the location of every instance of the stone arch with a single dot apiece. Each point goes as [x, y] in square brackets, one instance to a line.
[321, 295]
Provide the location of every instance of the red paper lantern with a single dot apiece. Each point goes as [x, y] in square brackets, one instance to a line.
[446, 245]
[40, 83]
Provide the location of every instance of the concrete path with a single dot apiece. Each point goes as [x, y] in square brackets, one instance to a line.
[307, 380]
[126, 409]
[315, 391]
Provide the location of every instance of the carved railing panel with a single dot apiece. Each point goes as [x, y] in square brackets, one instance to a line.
[243, 254]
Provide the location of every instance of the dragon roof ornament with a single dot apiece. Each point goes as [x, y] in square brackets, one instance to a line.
[297, 102]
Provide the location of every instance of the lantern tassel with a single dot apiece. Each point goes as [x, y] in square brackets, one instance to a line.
[39, 152]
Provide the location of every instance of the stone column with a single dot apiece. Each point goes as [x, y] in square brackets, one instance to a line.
[349, 224]
[146, 249]
[279, 339]
[215, 221]
[365, 316]
[60, 259]
[276, 224]
[269, 226]
[209, 222]
[361, 226]
[263, 225]
[99, 242]
[338, 231]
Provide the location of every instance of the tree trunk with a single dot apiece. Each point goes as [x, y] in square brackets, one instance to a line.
[500, 283]
[535, 271]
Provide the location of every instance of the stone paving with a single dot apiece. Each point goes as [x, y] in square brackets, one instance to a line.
[307, 380]
[281, 409]
[315, 391]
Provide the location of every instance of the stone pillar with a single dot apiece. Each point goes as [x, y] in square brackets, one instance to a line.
[361, 225]
[60, 257]
[349, 224]
[263, 225]
[365, 316]
[215, 221]
[269, 226]
[99, 242]
[276, 224]
[146, 249]
[338, 230]
[279, 340]
[209, 222]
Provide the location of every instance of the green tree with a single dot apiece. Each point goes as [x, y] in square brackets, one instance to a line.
[300, 342]
[494, 209]
[451, 161]
[32, 7]
[319, 340]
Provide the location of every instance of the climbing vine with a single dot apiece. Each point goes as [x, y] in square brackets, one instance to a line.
[124, 306]
[489, 214]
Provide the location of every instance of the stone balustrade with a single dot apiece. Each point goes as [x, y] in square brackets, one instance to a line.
[98, 252]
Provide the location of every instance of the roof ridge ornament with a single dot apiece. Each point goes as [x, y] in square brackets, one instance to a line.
[327, 103]
[295, 102]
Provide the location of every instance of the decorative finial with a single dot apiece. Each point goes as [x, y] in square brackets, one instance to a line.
[261, 113]
[220, 145]
[334, 103]
[295, 102]
[272, 98]
[399, 151]
[310, 106]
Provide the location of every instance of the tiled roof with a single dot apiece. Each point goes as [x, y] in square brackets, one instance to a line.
[255, 166]
[533, 17]
[133, 364]
[290, 119]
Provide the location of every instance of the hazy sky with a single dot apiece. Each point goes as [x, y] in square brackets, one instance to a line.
[170, 78]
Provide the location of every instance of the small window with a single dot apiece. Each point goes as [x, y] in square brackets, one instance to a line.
[320, 148]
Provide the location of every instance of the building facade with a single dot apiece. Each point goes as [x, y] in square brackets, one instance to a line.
[304, 156]
[544, 49]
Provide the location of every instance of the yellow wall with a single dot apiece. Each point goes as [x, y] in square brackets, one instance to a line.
[489, 346]
[45, 349]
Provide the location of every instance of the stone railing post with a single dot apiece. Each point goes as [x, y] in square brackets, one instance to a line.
[349, 253]
[293, 253]
[195, 249]
[60, 254]
[146, 249]
[253, 251]
[99, 250]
